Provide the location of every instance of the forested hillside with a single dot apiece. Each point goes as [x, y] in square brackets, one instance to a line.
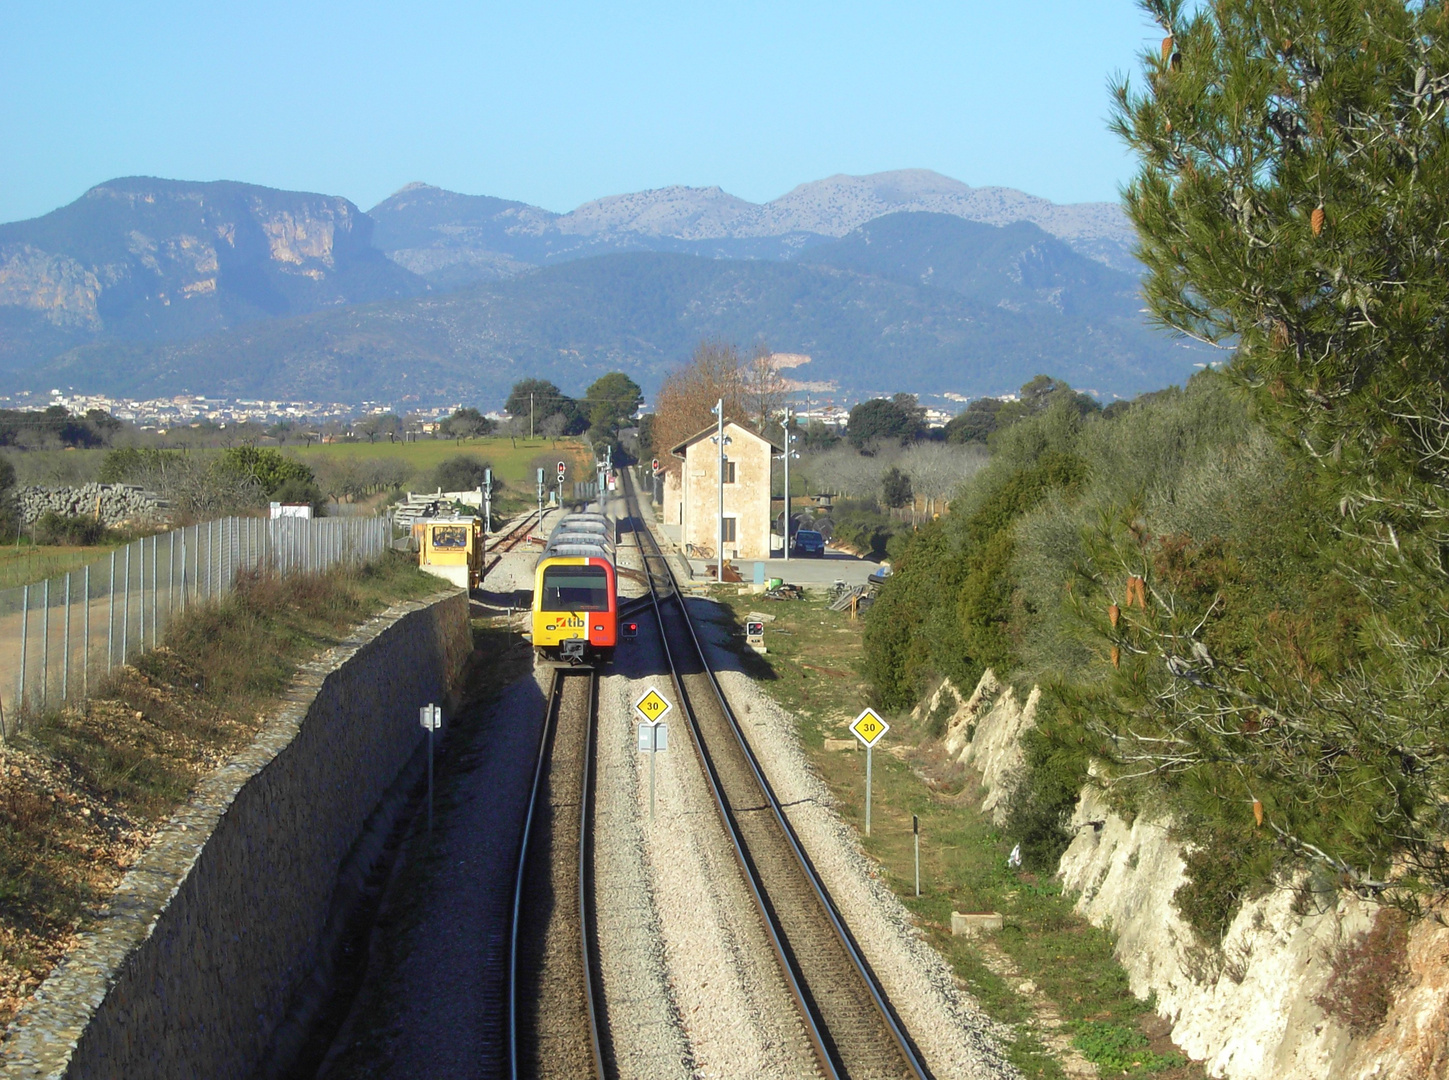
[1234, 595]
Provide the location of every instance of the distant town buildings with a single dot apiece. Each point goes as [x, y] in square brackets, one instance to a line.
[186, 409]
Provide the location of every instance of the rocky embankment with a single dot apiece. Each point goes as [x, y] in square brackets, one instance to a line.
[112, 504]
[1248, 1008]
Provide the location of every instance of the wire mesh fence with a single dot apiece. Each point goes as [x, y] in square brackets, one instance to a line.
[60, 636]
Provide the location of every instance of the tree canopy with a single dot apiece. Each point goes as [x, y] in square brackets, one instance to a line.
[880, 418]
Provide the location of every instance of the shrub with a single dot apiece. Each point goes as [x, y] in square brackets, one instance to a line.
[1043, 796]
[463, 472]
[72, 530]
[1366, 973]
[1224, 867]
[269, 468]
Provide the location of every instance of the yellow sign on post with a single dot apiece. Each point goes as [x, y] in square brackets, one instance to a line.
[651, 706]
[869, 727]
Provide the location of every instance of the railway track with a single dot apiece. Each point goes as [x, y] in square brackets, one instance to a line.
[850, 1021]
[554, 997]
[510, 539]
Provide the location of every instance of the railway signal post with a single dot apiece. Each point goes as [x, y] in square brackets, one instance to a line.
[540, 497]
[653, 735]
[868, 728]
[487, 501]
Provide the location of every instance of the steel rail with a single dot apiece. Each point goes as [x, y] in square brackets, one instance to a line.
[509, 540]
[585, 869]
[837, 922]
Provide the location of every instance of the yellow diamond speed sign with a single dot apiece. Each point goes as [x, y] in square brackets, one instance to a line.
[651, 706]
[869, 727]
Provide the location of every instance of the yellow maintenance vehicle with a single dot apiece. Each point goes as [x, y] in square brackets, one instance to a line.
[451, 548]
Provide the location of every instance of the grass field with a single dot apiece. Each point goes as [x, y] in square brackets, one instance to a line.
[28, 563]
[513, 464]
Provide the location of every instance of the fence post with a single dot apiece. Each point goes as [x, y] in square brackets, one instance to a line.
[126, 611]
[86, 654]
[171, 575]
[65, 639]
[24, 626]
[155, 598]
[45, 647]
[111, 616]
[141, 587]
[183, 569]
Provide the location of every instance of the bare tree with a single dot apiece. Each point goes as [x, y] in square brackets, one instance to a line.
[938, 469]
[553, 427]
[685, 402]
[765, 390]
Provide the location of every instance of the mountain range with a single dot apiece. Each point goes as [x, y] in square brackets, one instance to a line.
[902, 280]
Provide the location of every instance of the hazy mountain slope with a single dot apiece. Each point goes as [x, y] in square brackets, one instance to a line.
[153, 259]
[1015, 266]
[643, 313]
[453, 238]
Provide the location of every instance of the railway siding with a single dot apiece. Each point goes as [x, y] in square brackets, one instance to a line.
[224, 912]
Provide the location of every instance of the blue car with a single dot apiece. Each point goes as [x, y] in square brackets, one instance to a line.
[809, 542]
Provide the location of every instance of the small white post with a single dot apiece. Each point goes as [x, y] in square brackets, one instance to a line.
[867, 789]
[916, 834]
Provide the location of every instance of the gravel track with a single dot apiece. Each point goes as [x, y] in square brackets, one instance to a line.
[645, 1036]
[954, 1036]
[737, 1012]
[859, 1039]
[555, 1030]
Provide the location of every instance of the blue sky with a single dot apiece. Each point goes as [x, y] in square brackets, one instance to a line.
[556, 104]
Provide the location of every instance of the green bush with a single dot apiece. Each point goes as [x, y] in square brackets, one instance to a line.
[69, 530]
[462, 472]
[270, 469]
[1044, 794]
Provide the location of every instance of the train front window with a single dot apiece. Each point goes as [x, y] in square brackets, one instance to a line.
[575, 588]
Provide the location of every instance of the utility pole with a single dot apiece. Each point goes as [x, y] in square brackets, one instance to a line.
[530, 416]
[787, 483]
[719, 525]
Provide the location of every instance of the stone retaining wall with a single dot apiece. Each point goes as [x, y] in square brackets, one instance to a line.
[112, 504]
[190, 971]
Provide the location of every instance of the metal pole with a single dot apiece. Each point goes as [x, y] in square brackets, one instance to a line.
[653, 749]
[787, 485]
[916, 833]
[719, 548]
[65, 640]
[86, 653]
[155, 598]
[141, 587]
[183, 569]
[24, 626]
[867, 790]
[171, 575]
[45, 648]
[111, 616]
[126, 609]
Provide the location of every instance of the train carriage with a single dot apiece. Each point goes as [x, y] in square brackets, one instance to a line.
[575, 592]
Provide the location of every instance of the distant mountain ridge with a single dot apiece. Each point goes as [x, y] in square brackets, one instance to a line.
[143, 258]
[898, 280]
[452, 239]
[928, 302]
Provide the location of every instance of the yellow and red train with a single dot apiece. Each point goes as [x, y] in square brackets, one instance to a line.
[575, 592]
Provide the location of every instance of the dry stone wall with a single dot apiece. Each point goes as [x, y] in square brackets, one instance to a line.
[1248, 1009]
[191, 969]
[113, 504]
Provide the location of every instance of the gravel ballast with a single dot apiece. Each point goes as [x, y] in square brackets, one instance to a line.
[954, 1036]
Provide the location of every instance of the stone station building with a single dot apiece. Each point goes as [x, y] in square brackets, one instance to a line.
[691, 497]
